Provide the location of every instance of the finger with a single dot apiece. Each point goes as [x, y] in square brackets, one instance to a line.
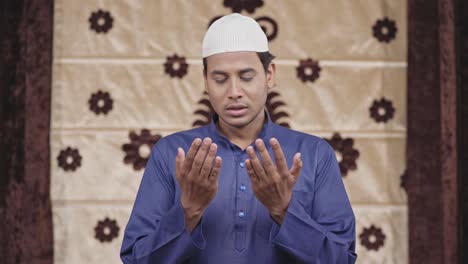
[251, 171]
[214, 175]
[179, 160]
[279, 156]
[200, 157]
[267, 163]
[188, 161]
[297, 166]
[208, 162]
[257, 166]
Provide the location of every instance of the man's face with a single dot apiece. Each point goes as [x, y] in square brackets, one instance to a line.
[238, 86]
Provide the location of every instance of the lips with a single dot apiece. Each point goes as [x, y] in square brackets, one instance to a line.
[236, 109]
[235, 106]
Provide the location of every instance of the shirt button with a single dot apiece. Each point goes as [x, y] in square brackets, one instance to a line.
[242, 164]
[241, 214]
[242, 187]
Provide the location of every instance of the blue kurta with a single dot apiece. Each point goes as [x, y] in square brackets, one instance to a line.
[319, 226]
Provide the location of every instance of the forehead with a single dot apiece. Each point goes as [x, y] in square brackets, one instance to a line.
[233, 61]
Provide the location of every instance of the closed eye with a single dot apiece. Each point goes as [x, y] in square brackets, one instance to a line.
[219, 77]
[220, 81]
[247, 75]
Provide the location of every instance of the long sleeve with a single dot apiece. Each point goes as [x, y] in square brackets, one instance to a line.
[156, 230]
[319, 227]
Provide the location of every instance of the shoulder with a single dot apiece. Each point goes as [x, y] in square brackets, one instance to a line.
[169, 143]
[294, 137]
[185, 135]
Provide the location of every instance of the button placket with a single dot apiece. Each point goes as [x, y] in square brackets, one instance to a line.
[241, 213]
[242, 164]
[242, 187]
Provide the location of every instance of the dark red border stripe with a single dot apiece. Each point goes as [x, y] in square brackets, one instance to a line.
[25, 92]
[431, 134]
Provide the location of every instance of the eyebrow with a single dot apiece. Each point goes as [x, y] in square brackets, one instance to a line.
[241, 72]
[218, 72]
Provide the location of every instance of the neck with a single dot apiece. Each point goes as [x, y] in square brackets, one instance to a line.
[245, 135]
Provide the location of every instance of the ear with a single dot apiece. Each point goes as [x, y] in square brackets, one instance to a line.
[271, 74]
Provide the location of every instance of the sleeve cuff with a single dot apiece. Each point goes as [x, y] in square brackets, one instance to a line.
[275, 228]
[173, 221]
[174, 224]
[198, 238]
[298, 227]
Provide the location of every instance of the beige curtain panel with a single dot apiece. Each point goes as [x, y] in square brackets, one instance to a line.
[127, 73]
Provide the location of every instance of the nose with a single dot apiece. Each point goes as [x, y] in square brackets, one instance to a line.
[234, 89]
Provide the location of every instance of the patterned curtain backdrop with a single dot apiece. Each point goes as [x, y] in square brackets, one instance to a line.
[127, 73]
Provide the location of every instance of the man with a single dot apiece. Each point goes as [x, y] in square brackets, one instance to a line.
[241, 189]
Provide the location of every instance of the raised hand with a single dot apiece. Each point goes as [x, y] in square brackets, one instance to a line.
[197, 175]
[273, 184]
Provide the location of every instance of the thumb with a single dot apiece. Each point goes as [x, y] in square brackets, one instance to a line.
[180, 158]
[296, 166]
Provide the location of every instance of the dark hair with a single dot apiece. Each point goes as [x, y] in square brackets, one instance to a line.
[265, 58]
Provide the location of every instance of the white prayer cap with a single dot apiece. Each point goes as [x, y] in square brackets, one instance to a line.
[234, 32]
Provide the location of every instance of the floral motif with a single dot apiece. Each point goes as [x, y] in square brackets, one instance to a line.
[175, 66]
[346, 153]
[384, 30]
[138, 151]
[273, 105]
[106, 230]
[372, 238]
[69, 159]
[404, 180]
[269, 26]
[308, 70]
[238, 5]
[205, 113]
[101, 21]
[382, 110]
[100, 103]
